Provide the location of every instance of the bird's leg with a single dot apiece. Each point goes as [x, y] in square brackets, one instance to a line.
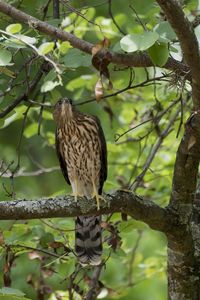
[75, 190]
[96, 195]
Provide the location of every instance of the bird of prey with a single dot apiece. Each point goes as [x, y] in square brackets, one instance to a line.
[81, 149]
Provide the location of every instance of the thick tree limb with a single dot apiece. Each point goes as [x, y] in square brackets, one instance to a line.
[132, 60]
[183, 250]
[188, 155]
[64, 206]
[188, 42]
[186, 167]
[183, 260]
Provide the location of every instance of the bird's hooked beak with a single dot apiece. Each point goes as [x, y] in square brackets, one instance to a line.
[63, 110]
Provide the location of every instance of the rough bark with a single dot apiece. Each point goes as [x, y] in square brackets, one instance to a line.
[64, 206]
[183, 259]
[183, 250]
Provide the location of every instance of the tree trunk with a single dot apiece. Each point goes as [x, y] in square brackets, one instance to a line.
[183, 270]
[184, 243]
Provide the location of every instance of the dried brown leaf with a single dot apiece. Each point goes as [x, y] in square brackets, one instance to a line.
[56, 245]
[98, 90]
[34, 255]
[101, 61]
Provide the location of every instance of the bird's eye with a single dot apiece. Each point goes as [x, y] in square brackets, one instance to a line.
[60, 102]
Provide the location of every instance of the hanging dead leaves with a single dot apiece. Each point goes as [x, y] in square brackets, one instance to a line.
[100, 60]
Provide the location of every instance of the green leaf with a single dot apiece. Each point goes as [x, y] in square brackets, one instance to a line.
[191, 4]
[12, 297]
[14, 43]
[80, 82]
[46, 48]
[66, 269]
[5, 57]
[14, 115]
[49, 86]
[119, 253]
[46, 238]
[31, 130]
[135, 42]
[173, 49]
[7, 72]
[54, 22]
[159, 54]
[47, 115]
[11, 291]
[64, 47]
[76, 58]
[1, 123]
[50, 76]
[165, 31]
[50, 137]
[130, 225]
[14, 28]
[24, 39]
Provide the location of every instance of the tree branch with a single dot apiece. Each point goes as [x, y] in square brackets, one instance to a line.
[56, 9]
[158, 218]
[188, 42]
[93, 291]
[132, 60]
[154, 150]
[188, 155]
[186, 168]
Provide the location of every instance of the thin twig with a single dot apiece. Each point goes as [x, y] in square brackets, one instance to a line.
[138, 18]
[56, 9]
[21, 173]
[20, 141]
[133, 254]
[72, 277]
[78, 13]
[40, 115]
[24, 96]
[45, 9]
[156, 119]
[128, 87]
[40, 250]
[93, 291]
[112, 17]
[153, 151]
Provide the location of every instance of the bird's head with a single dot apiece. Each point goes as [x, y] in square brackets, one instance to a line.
[63, 110]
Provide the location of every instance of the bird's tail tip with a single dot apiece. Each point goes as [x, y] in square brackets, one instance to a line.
[88, 243]
[92, 261]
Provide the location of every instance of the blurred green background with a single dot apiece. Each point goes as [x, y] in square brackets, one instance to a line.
[36, 255]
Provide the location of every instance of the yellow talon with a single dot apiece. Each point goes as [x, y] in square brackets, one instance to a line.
[98, 197]
[75, 195]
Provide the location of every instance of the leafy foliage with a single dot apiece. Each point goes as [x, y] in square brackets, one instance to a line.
[37, 256]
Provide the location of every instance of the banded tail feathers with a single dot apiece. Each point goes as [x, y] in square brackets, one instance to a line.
[88, 239]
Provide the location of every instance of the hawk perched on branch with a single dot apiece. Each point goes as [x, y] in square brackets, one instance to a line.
[81, 149]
